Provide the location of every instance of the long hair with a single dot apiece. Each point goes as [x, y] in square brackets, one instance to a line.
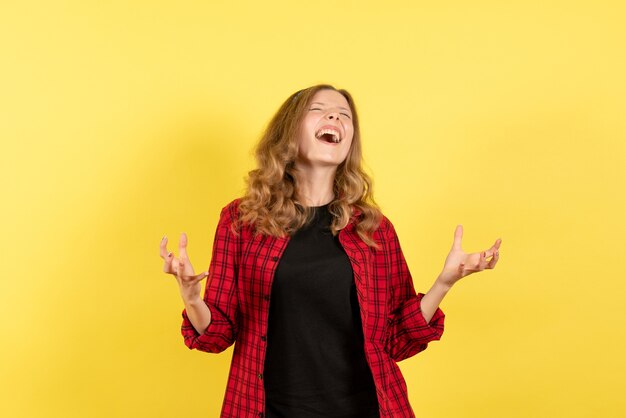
[271, 203]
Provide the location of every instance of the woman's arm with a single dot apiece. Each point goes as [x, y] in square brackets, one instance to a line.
[211, 324]
[199, 314]
[408, 333]
[431, 300]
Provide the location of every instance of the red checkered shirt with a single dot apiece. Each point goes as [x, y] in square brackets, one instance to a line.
[238, 293]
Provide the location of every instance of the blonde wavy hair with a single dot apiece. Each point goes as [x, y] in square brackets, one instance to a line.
[271, 203]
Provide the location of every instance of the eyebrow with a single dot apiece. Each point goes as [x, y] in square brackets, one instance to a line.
[324, 104]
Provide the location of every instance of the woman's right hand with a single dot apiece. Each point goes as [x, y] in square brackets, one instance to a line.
[181, 268]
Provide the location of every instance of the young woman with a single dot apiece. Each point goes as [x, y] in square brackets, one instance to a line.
[308, 280]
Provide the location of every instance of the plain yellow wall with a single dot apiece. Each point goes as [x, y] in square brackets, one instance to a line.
[123, 121]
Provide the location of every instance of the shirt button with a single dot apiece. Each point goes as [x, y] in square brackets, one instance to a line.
[260, 376]
[274, 258]
[261, 415]
[263, 338]
[266, 297]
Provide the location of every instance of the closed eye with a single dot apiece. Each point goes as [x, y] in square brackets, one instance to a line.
[317, 108]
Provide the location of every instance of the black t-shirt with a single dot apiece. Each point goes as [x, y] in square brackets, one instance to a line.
[315, 364]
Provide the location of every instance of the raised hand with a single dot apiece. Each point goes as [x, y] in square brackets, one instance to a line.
[181, 268]
[458, 264]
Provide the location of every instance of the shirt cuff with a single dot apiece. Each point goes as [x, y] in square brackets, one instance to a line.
[436, 322]
[216, 338]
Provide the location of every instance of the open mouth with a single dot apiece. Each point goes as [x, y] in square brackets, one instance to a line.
[330, 136]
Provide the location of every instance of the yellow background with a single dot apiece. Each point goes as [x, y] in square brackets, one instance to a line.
[123, 121]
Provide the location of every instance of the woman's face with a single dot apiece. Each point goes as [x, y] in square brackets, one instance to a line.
[326, 131]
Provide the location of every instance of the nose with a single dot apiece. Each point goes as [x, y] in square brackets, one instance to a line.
[333, 115]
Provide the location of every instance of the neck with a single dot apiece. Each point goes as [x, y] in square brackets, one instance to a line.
[315, 184]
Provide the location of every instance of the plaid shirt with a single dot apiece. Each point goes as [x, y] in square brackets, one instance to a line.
[238, 293]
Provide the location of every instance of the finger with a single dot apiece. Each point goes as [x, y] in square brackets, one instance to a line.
[462, 269]
[199, 277]
[166, 255]
[163, 247]
[489, 252]
[481, 261]
[182, 246]
[469, 270]
[180, 270]
[466, 270]
[494, 260]
[458, 235]
[167, 264]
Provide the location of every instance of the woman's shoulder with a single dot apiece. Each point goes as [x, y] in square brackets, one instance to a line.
[230, 212]
[233, 205]
[385, 227]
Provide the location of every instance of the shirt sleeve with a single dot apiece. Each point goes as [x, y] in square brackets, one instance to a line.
[408, 333]
[220, 293]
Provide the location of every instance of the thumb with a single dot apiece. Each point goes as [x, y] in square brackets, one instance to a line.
[182, 246]
[458, 235]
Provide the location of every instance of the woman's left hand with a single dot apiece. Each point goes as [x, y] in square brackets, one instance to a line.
[458, 264]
